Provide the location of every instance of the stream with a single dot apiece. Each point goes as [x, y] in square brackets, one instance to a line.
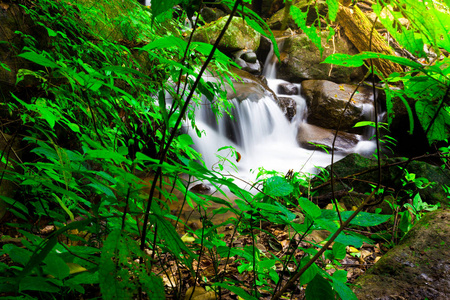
[261, 133]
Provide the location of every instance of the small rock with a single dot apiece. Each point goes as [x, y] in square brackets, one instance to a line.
[314, 137]
[250, 57]
[288, 89]
[200, 188]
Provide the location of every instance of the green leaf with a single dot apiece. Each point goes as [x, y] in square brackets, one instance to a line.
[38, 59]
[277, 186]
[340, 275]
[110, 286]
[237, 290]
[427, 113]
[319, 289]
[312, 32]
[365, 219]
[333, 7]
[39, 255]
[185, 140]
[160, 7]
[56, 266]
[37, 284]
[310, 273]
[339, 250]
[17, 254]
[310, 208]
[84, 278]
[342, 289]
[166, 42]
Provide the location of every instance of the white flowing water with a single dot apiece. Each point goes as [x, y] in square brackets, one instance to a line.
[262, 135]
[260, 132]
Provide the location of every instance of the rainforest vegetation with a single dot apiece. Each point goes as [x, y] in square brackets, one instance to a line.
[93, 98]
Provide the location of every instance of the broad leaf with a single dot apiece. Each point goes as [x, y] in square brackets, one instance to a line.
[39, 59]
[56, 266]
[319, 289]
[428, 113]
[310, 208]
[365, 219]
[339, 250]
[310, 273]
[277, 187]
[34, 283]
[343, 290]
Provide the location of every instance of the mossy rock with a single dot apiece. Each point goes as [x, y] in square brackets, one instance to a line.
[417, 268]
[238, 36]
[360, 174]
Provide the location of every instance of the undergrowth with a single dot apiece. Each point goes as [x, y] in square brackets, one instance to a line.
[112, 84]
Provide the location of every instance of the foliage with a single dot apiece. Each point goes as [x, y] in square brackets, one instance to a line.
[108, 107]
[425, 81]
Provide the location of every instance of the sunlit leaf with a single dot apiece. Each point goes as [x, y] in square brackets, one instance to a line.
[343, 290]
[277, 186]
[365, 219]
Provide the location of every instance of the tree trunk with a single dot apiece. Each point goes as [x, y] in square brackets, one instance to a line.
[358, 28]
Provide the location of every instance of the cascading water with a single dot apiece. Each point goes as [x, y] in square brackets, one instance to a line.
[260, 132]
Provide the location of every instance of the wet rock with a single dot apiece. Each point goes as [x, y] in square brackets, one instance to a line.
[248, 61]
[417, 268]
[317, 138]
[288, 89]
[288, 106]
[264, 48]
[238, 35]
[301, 60]
[326, 102]
[249, 56]
[201, 188]
[251, 87]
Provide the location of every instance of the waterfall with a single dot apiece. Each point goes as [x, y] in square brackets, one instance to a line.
[260, 132]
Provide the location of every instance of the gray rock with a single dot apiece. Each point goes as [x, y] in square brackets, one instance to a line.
[250, 57]
[251, 87]
[248, 61]
[417, 268]
[314, 137]
[288, 89]
[326, 102]
[211, 14]
[288, 106]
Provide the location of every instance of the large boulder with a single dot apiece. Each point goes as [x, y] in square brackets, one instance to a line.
[237, 37]
[360, 173]
[301, 60]
[248, 87]
[418, 268]
[326, 102]
[314, 137]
